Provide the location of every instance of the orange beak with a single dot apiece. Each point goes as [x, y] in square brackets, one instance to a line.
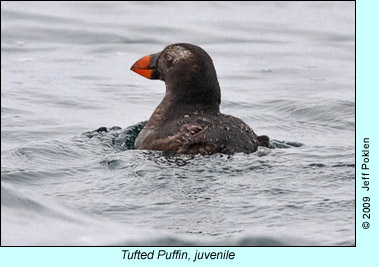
[146, 66]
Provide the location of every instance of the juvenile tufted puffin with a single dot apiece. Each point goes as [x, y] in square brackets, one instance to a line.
[188, 120]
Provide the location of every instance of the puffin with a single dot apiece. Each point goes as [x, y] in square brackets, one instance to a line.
[188, 119]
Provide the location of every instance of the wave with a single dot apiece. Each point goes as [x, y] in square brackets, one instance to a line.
[32, 220]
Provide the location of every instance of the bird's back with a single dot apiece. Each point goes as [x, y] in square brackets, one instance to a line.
[202, 133]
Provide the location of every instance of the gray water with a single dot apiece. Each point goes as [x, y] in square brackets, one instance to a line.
[286, 69]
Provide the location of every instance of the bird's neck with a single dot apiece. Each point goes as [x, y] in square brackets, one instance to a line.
[170, 108]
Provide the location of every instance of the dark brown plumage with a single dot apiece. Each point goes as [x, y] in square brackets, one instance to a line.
[188, 119]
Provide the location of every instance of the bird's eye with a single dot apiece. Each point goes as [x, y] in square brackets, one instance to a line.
[169, 58]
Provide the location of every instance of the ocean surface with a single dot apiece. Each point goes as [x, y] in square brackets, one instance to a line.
[285, 68]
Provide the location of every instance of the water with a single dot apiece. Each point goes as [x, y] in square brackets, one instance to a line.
[286, 69]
